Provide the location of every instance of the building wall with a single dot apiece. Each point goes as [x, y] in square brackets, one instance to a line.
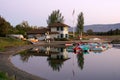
[62, 32]
[54, 29]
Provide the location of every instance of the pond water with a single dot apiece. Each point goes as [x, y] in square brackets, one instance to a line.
[56, 63]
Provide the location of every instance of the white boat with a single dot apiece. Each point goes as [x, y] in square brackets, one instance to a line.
[98, 48]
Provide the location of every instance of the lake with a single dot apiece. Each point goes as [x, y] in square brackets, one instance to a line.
[56, 63]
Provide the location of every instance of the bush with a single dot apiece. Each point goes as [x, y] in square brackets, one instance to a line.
[115, 41]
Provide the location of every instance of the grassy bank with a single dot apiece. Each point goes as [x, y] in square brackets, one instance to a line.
[10, 42]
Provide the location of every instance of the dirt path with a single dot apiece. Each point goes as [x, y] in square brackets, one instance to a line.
[7, 66]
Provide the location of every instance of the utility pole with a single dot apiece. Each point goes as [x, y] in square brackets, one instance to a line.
[73, 22]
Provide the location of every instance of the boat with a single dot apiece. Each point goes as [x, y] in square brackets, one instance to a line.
[85, 47]
[68, 44]
[98, 48]
[70, 48]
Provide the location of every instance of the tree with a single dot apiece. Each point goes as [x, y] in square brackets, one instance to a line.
[80, 24]
[23, 28]
[5, 27]
[55, 16]
[90, 32]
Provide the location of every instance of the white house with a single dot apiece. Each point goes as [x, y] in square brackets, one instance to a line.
[61, 28]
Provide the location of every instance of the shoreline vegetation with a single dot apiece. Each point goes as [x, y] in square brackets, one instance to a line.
[6, 42]
[11, 46]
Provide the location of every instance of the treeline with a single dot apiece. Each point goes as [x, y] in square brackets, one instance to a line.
[6, 28]
[111, 32]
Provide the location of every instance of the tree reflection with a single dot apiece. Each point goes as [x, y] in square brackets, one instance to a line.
[24, 56]
[56, 65]
[80, 60]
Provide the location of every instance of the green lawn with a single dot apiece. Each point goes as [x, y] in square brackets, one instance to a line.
[9, 42]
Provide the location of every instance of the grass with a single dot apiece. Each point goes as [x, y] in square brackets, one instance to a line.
[10, 42]
[4, 76]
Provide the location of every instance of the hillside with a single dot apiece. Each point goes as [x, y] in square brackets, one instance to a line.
[100, 27]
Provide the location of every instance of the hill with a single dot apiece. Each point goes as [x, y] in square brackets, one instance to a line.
[99, 27]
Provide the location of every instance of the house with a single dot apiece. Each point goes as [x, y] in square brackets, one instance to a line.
[56, 30]
[61, 28]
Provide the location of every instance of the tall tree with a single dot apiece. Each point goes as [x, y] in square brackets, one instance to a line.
[5, 27]
[80, 24]
[55, 16]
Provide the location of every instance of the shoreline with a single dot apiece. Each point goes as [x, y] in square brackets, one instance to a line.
[7, 67]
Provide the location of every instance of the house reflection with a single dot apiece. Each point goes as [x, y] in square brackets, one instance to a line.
[55, 55]
[56, 60]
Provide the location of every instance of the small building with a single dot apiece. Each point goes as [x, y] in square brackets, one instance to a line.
[37, 33]
[41, 34]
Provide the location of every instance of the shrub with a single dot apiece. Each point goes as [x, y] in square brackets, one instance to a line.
[117, 41]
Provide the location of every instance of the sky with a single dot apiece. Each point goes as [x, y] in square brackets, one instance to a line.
[36, 12]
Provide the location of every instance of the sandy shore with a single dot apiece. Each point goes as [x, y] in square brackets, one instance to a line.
[7, 66]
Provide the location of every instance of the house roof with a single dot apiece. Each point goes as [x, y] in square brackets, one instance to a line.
[41, 31]
[58, 24]
[38, 31]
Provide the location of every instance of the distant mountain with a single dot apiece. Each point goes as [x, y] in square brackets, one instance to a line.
[99, 27]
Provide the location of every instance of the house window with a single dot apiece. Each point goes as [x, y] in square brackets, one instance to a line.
[66, 35]
[57, 36]
[61, 28]
[57, 28]
[61, 35]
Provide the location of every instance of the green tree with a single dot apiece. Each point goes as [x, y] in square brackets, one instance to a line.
[90, 32]
[5, 27]
[80, 24]
[23, 28]
[55, 16]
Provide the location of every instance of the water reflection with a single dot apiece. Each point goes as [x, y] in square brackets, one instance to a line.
[46, 61]
[80, 60]
[24, 56]
[56, 60]
[56, 56]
